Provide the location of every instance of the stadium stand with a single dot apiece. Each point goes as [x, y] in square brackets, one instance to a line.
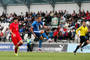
[62, 22]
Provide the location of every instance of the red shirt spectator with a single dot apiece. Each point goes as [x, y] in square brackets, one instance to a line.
[55, 33]
[1, 34]
[65, 29]
[87, 13]
[77, 25]
[88, 17]
[58, 28]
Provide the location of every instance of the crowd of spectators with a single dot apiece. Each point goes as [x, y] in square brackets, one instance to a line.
[66, 23]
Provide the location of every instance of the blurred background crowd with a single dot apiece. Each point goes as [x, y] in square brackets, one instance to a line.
[63, 25]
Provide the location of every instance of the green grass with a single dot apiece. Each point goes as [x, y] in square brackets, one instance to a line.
[44, 56]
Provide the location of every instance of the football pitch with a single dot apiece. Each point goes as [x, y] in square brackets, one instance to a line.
[44, 56]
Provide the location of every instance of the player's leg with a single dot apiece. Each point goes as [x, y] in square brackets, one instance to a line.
[88, 42]
[44, 35]
[40, 42]
[78, 47]
[85, 43]
[19, 43]
[14, 40]
[39, 35]
[28, 47]
[81, 41]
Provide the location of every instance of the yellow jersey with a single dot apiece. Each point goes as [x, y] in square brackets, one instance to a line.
[83, 30]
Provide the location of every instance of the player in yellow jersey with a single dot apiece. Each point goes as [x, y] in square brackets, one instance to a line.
[83, 39]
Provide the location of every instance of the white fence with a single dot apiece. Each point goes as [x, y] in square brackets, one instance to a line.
[46, 7]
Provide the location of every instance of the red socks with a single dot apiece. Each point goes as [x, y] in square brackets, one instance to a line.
[16, 50]
[16, 47]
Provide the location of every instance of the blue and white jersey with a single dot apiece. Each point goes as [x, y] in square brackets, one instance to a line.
[36, 26]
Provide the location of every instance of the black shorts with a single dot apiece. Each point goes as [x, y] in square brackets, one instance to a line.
[83, 39]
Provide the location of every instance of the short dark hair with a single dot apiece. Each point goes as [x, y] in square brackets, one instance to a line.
[15, 18]
[38, 16]
[84, 21]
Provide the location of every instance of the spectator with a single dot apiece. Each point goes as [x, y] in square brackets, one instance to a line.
[1, 35]
[55, 20]
[55, 35]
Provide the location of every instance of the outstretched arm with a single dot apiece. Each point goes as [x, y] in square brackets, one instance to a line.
[31, 29]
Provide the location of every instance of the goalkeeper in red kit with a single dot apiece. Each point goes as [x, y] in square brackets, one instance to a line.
[15, 35]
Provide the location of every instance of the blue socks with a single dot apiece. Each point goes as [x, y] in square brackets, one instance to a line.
[40, 43]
